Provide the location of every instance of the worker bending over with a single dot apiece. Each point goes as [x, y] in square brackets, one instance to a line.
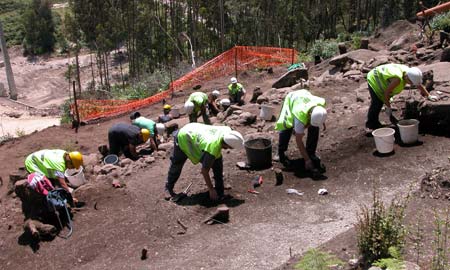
[124, 138]
[202, 143]
[386, 81]
[236, 92]
[195, 105]
[53, 163]
[301, 110]
[212, 102]
[145, 123]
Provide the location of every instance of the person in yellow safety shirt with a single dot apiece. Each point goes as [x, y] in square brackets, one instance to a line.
[196, 104]
[124, 138]
[212, 105]
[53, 163]
[301, 110]
[166, 116]
[142, 122]
[202, 144]
[236, 92]
[388, 80]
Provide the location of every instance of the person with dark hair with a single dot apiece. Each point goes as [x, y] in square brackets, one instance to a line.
[150, 125]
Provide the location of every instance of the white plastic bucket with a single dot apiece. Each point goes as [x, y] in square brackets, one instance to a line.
[266, 112]
[384, 140]
[409, 130]
[75, 177]
[175, 112]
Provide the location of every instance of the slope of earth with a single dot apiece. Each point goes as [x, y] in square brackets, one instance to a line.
[264, 229]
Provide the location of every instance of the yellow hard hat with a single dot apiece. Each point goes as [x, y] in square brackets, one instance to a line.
[167, 107]
[145, 134]
[76, 158]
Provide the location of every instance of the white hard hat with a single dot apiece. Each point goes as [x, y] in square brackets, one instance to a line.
[189, 107]
[225, 102]
[233, 80]
[234, 139]
[415, 75]
[318, 116]
[215, 93]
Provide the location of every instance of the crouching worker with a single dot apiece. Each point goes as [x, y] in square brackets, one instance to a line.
[212, 102]
[236, 92]
[53, 163]
[301, 110]
[166, 116]
[196, 104]
[124, 138]
[202, 143]
[145, 123]
[388, 80]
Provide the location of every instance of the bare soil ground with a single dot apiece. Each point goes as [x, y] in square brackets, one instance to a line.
[264, 229]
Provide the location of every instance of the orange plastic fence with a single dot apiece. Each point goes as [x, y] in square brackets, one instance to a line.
[240, 58]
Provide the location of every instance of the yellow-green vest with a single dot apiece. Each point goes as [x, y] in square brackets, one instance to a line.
[234, 90]
[378, 79]
[46, 162]
[297, 104]
[196, 138]
[199, 99]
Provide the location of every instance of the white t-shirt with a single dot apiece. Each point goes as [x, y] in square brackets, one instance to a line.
[299, 127]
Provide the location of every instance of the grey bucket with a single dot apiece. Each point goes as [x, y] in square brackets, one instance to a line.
[259, 153]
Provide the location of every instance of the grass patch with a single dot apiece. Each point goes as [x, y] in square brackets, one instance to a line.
[315, 259]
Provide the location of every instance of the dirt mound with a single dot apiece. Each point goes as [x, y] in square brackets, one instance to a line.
[436, 184]
[397, 30]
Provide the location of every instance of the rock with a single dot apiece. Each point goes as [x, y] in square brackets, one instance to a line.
[420, 53]
[3, 92]
[352, 73]
[40, 230]
[91, 159]
[291, 77]
[108, 168]
[97, 169]
[379, 60]
[440, 71]
[165, 146]
[247, 118]
[101, 178]
[125, 162]
[13, 114]
[399, 43]
[256, 93]
[20, 174]
[359, 99]
[262, 99]
[357, 56]
[445, 57]
[148, 159]
[354, 262]
[342, 48]
[336, 100]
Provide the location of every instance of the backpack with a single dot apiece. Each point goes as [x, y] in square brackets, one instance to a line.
[57, 200]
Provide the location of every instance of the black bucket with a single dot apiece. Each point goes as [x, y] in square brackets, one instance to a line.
[259, 153]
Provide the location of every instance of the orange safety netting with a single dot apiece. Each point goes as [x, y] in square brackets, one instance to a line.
[239, 58]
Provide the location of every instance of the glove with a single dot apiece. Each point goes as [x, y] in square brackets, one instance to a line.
[388, 111]
[433, 98]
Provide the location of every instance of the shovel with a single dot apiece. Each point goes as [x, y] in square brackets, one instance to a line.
[180, 196]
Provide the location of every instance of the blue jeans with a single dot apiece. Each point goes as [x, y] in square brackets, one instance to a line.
[311, 142]
[177, 161]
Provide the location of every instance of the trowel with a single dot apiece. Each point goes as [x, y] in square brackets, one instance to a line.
[182, 195]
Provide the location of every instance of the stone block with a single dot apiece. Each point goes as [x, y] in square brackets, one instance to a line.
[291, 77]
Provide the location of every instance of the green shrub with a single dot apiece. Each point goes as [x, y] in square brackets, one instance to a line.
[393, 263]
[380, 229]
[324, 48]
[315, 259]
[441, 22]
[65, 112]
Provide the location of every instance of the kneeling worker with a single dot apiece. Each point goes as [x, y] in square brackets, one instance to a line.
[196, 104]
[202, 143]
[53, 163]
[301, 110]
[166, 116]
[150, 125]
[124, 138]
[212, 105]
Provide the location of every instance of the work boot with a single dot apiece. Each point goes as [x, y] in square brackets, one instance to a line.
[169, 195]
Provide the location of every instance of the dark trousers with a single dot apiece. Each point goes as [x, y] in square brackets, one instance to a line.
[115, 147]
[212, 110]
[311, 142]
[374, 110]
[193, 118]
[237, 98]
[176, 166]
